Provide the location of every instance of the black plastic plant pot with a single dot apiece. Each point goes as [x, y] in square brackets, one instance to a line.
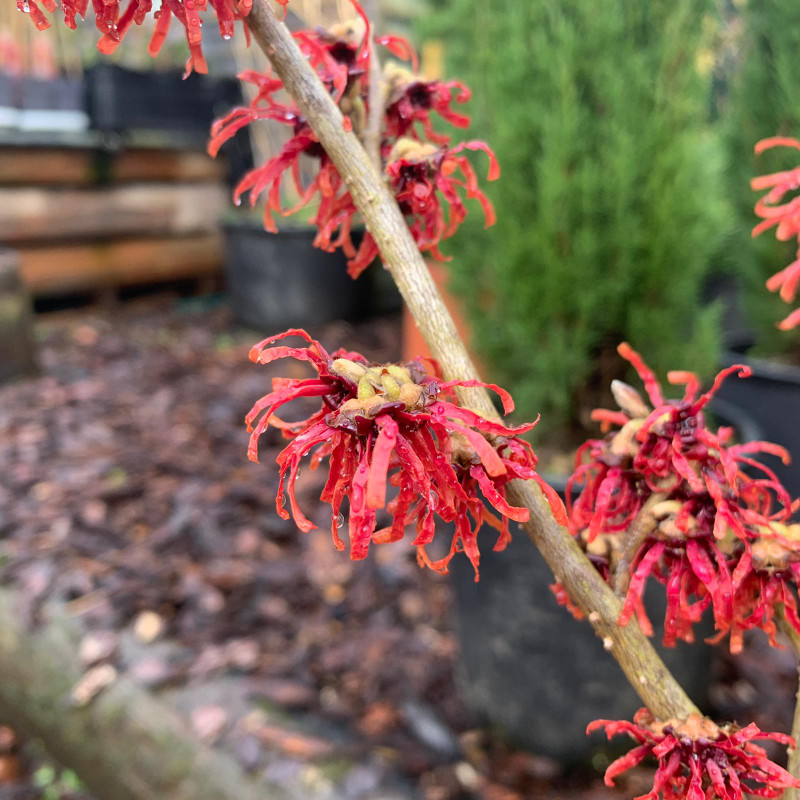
[279, 280]
[535, 674]
[53, 104]
[771, 396]
[726, 291]
[119, 99]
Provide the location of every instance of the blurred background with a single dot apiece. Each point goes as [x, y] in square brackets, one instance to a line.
[131, 291]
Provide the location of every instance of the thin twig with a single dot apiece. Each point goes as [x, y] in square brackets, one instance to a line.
[377, 103]
[793, 764]
[632, 539]
[643, 667]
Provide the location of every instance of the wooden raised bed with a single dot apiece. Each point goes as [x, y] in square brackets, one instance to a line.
[85, 217]
[62, 166]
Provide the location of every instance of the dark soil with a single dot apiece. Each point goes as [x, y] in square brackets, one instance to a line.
[125, 492]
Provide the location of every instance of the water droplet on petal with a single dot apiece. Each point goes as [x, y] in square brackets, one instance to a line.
[433, 500]
[339, 520]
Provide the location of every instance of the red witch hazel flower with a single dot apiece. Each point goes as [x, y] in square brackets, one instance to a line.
[114, 17]
[336, 209]
[419, 173]
[784, 216]
[699, 760]
[393, 425]
[663, 496]
[412, 99]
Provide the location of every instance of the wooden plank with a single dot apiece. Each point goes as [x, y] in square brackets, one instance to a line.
[28, 214]
[60, 269]
[44, 166]
[167, 165]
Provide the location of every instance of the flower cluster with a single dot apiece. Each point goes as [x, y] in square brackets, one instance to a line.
[783, 215]
[411, 101]
[429, 178]
[662, 495]
[114, 18]
[394, 425]
[698, 759]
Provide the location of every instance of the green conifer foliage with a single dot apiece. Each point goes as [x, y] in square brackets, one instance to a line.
[609, 203]
[764, 101]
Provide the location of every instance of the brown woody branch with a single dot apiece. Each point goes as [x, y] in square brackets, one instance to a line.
[124, 744]
[648, 675]
[793, 764]
[633, 538]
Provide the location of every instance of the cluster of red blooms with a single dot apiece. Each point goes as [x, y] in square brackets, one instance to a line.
[699, 760]
[428, 177]
[662, 495]
[394, 425]
[784, 216]
[115, 17]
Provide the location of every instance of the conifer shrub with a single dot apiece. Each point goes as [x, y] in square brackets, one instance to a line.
[611, 202]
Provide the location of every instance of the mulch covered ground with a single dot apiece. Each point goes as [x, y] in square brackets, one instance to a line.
[125, 493]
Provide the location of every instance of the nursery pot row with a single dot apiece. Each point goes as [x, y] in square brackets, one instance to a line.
[278, 281]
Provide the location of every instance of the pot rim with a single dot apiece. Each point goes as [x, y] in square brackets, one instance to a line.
[764, 368]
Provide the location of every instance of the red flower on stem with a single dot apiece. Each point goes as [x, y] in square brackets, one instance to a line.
[784, 216]
[699, 760]
[424, 175]
[430, 181]
[114, 17]
[335, 211]
[412, 100]
[666, 497]
[771, 574]
[394, 425]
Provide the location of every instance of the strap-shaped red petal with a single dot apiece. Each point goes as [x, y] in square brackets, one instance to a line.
[381, 456]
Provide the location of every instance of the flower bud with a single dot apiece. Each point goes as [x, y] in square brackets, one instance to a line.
[365, 388]
[390, 387]
[410, 394]
[400, 374]
[629, 400]
[348, 369]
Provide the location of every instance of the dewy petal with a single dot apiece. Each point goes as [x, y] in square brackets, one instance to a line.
[113, 23]
[709, 493]
[638, 580]
[496, 499]
[685, 758]
[488, 455]
[645, 373]
[381, 456]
